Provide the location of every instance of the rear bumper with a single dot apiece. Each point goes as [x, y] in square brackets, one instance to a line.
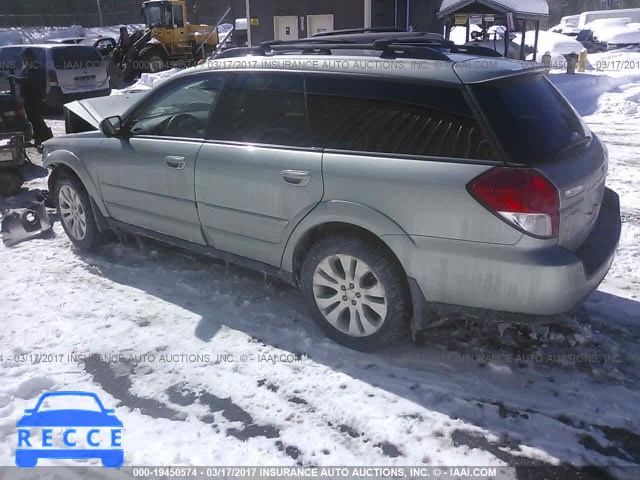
[544, 281]
[56, 98]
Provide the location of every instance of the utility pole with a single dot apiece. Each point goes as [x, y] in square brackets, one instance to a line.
[100, 12]
[248, 13]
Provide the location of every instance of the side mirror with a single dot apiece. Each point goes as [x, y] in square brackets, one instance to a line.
[29, 410]
[111, 126]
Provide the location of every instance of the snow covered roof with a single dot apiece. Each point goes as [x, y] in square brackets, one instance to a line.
[531, 7]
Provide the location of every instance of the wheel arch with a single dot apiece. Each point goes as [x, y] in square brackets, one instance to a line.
[63, 162]
[338, 217]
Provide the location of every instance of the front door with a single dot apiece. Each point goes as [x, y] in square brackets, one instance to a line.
[147, 177]
[258, 176]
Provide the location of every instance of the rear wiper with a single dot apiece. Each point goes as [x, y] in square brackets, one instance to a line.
[575, 145]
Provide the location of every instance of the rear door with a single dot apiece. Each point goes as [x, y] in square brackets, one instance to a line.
[257, 176]
[79, 67]
[538, 128]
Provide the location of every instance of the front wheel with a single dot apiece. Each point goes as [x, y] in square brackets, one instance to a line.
[358, 292]
[76, 215]
[153, 61]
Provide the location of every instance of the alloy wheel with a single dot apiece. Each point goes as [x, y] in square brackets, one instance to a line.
[72, 212]
[350, 295]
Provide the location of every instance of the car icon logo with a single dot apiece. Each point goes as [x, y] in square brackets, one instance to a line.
[68, 432]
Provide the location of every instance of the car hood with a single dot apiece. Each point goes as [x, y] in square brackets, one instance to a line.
[94, 110]
[69, 418]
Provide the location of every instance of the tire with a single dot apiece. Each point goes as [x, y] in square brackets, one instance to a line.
[11, 181]
[377, 308]
[153, 60]
[76, 215]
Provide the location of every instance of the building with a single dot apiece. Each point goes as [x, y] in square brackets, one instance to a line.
[292, 19]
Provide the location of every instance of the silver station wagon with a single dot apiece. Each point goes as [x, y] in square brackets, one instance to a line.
[393, 182]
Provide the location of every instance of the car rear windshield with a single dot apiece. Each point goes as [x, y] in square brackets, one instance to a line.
[76, 58]
[531, 119]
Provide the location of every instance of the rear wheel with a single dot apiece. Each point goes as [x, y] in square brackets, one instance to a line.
[76, 215]
[358, 292]
[11, 181]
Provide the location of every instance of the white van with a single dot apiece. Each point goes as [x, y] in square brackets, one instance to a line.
[74, 72]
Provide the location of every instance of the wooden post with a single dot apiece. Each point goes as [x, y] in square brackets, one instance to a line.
[506, 38]
[535, 46]
[524, 34]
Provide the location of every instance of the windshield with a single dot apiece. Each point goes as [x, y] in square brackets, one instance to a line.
[76, 57]
[531, 119]
[158, 15]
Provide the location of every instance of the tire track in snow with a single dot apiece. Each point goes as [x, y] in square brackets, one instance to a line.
[119, 387]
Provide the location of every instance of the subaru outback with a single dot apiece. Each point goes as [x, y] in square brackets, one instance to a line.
[428, 179]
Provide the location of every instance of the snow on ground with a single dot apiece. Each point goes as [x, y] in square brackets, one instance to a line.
[151, 328]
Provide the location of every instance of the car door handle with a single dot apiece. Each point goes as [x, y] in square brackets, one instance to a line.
[176, 162]
[298, 178]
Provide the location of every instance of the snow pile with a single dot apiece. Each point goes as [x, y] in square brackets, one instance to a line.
[554, 43]
[11, 37]
[615, 30]
[17, 36]
[565, 29]
[605, 88]
[146, 82]
[66, 32]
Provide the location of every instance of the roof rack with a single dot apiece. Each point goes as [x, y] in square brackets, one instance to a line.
[389, 48]
[359, 30]
[426, 46]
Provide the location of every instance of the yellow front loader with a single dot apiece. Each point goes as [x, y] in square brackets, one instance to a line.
[168, 40]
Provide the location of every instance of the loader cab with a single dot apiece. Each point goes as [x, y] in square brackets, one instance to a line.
[167, 19]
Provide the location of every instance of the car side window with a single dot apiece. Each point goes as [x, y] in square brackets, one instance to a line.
[266, 108]
[181, 109]
[378, 116]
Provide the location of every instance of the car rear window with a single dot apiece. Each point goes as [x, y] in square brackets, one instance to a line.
[531, 119]
[363, 114]
[76, 58]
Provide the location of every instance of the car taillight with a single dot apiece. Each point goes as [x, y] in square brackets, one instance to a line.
[53, 78]
[522, 197]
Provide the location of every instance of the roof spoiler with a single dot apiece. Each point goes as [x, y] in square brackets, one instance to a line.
[511, 74]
